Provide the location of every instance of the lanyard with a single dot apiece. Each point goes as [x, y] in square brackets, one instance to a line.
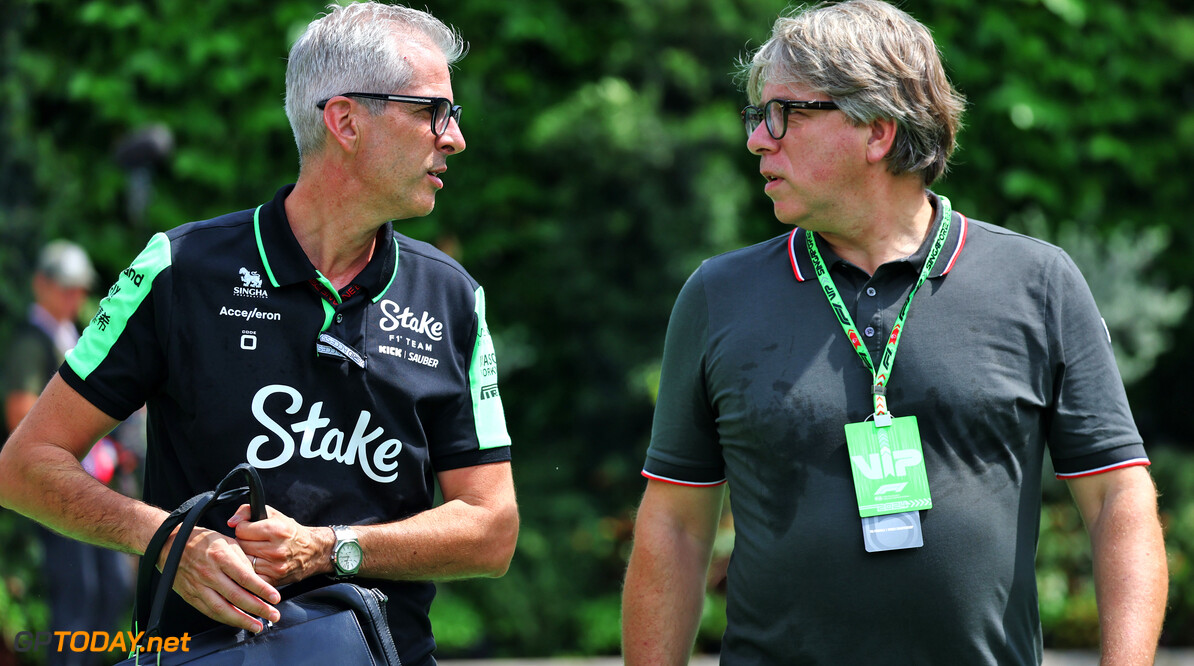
[882, 374]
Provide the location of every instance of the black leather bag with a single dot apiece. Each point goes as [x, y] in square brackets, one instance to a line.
[338, 624]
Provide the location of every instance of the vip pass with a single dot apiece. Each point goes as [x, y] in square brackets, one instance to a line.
[886, 455]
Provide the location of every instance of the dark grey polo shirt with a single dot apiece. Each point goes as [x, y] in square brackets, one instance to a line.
[1003, 351]
[347, 409]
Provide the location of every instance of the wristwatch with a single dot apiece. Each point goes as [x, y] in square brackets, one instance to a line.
[346, 553]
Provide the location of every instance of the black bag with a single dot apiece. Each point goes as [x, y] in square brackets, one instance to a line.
[338, 624]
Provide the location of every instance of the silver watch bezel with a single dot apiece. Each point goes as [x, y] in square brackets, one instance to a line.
[345, 537]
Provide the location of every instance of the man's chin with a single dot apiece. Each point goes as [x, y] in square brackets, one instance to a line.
[411, 212]
[785, 216]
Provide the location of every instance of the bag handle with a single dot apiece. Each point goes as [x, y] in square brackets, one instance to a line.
[185, 518]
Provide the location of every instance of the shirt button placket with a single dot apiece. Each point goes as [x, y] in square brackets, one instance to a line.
[870, 331]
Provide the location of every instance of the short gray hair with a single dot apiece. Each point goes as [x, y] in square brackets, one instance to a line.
[876, 62]
[350, 49]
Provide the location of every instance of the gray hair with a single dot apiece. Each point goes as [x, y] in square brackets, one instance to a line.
[351, 49]
[876, 62]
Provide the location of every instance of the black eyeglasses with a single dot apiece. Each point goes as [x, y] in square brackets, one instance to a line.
[775, 113]
[442, 109]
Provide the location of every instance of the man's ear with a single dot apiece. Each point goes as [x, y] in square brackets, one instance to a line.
[341, 117]
[881, 139]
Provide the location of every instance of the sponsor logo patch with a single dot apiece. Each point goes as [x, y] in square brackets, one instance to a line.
[250, 285]
[355, 445]
[250, 315]
[394, 316]
[249, 278]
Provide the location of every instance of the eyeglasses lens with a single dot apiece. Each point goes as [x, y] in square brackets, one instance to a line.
[443, 113]
[751, 117]
[777, 118]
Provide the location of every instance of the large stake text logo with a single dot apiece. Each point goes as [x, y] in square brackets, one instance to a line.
[267, 452]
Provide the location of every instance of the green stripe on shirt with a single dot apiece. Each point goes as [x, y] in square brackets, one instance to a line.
[123, 299]
[483, 383]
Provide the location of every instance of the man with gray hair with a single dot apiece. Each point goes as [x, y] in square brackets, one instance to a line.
[351, 365]
[883, 512]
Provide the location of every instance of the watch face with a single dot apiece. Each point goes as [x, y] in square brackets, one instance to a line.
[348, 557]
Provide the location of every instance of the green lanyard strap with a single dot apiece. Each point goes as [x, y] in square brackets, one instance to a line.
[882, 375]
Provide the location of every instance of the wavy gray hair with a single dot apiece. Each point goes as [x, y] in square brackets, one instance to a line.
[350, 49]
[876, 62]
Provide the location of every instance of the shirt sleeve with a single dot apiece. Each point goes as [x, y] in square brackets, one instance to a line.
[1091, 429]
[119, 360]
[478, 424]
[685, 448]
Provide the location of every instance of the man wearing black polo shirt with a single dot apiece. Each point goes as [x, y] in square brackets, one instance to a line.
[349, 364]
[877, 387]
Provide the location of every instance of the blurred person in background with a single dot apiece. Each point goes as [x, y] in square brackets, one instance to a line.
[886, 507]
[89, 587]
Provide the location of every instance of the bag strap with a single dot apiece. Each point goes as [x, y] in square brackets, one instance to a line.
[185, 518]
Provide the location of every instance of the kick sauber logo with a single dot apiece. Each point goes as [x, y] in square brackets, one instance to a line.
[399, 323]
[250, 285]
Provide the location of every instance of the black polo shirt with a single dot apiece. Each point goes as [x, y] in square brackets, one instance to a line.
[347, 407]
[1003, 351]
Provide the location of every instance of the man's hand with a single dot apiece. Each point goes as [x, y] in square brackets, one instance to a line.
[280, 550]
[217, 578]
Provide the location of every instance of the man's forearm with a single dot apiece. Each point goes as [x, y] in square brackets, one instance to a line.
[664, 592]
[453, 540]
[473, 533]
[662, 600]
[49, 485]
[1131, 575]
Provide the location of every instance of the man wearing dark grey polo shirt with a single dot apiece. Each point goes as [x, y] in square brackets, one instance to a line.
[878, 388]
[349, 364]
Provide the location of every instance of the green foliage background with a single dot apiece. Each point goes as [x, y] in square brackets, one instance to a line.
[605, 160]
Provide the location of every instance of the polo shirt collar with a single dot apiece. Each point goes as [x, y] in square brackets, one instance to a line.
[802, 264]
[285, 262]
